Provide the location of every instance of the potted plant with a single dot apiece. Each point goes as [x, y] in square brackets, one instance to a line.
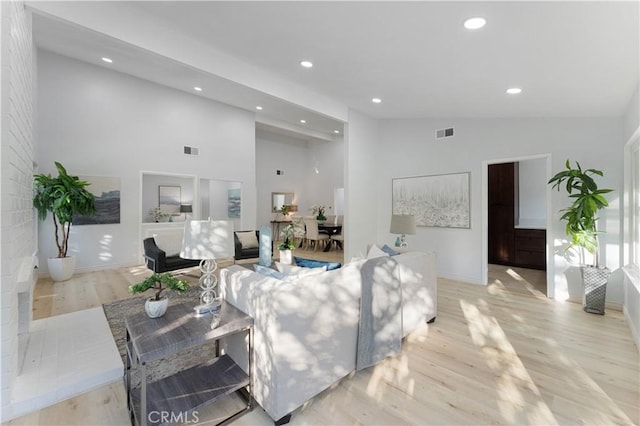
[581, 217]
[64, 196]
[157, 214]
[156, 306]
[287, 245]
[318, 212]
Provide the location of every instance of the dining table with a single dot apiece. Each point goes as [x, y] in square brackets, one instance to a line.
[330, 229]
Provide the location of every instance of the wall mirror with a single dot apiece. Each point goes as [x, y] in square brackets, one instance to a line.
[278, 199]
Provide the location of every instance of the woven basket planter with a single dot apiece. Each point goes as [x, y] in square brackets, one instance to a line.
[595, 289]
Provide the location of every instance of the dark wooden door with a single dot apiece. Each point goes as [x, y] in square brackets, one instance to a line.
[502, 210]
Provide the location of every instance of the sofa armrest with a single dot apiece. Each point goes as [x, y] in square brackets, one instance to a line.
[419, 288]
[304, 332]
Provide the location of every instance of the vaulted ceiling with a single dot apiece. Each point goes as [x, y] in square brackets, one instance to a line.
[571, 59]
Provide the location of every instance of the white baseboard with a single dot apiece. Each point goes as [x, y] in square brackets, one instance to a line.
[634, 331]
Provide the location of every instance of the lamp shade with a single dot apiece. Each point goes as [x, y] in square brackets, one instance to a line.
[186, 208]
[293, 208]
[207, 239]
[403, 224]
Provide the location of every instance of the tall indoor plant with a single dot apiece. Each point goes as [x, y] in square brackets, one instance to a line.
[63, 196]
[581, 217]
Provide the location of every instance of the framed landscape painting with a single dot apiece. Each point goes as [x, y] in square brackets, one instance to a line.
[169, 198]
[436, 200]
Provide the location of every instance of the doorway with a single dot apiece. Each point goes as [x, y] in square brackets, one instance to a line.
[516, 243]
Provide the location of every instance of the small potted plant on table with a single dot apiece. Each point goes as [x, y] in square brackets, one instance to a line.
[287, 245]
[156, 306]
[318, 212]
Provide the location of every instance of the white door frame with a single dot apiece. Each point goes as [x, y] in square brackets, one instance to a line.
[485, 218]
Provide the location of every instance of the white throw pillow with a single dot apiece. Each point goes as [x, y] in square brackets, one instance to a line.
[248, 239]
[374, 252]
[170, 243]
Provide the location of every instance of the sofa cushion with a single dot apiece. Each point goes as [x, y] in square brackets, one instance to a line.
[298, 270]
[248, 239]
[309, 263]
[374, 251]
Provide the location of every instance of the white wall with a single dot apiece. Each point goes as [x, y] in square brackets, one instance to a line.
[17, 230]
[532, 193]
[104, 123]
[408, 148]
[298, 160]
[631, 281]
[632, 115]
[364, 198]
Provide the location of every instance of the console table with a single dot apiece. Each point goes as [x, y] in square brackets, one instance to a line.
[176, 396]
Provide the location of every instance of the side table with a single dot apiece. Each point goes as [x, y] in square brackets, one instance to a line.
[179, 395]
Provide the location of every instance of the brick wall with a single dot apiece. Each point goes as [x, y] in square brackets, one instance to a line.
[17, 227]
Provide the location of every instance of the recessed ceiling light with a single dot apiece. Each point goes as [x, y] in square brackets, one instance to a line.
[259, 108]
[306, 64]
[475, 23]
[376, 100]
[514, 90]
[107, 60]
[197, 89]
[337, 132]
[303, 121]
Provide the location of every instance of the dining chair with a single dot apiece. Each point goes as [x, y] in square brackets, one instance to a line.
[312, 235]
[338, 238]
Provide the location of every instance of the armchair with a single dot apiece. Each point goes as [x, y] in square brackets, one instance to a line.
[157, 260]
[250, 249]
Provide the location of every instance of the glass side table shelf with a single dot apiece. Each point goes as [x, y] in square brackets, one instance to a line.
[180, 328]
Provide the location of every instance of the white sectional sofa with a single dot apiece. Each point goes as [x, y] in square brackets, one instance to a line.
[306, 331]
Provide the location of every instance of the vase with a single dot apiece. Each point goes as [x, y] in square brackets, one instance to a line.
[595, 289]
[286, 257]
[61, 268]
[156, 308]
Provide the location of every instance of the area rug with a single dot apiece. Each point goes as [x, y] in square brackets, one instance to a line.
[116, 313]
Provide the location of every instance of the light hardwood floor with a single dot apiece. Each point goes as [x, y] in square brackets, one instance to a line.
[501, 354]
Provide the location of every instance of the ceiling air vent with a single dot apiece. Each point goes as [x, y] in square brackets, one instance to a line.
[190, 150]
[444, 133]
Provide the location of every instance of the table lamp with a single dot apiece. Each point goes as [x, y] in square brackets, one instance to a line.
[207, 240]
[186, 208]
[403, 224]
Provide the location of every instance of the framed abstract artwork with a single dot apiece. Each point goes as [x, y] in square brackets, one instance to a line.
[234, 203]
[106, 193]
[436, 200]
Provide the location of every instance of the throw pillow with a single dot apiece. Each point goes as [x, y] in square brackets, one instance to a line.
[269, 272]
[389, 250]
[310, 263]
[170, 243]
[248, 239]
[374, 252]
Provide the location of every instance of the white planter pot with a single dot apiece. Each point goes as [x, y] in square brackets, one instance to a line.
[286, 257]
[156, 308]
[61, 268]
